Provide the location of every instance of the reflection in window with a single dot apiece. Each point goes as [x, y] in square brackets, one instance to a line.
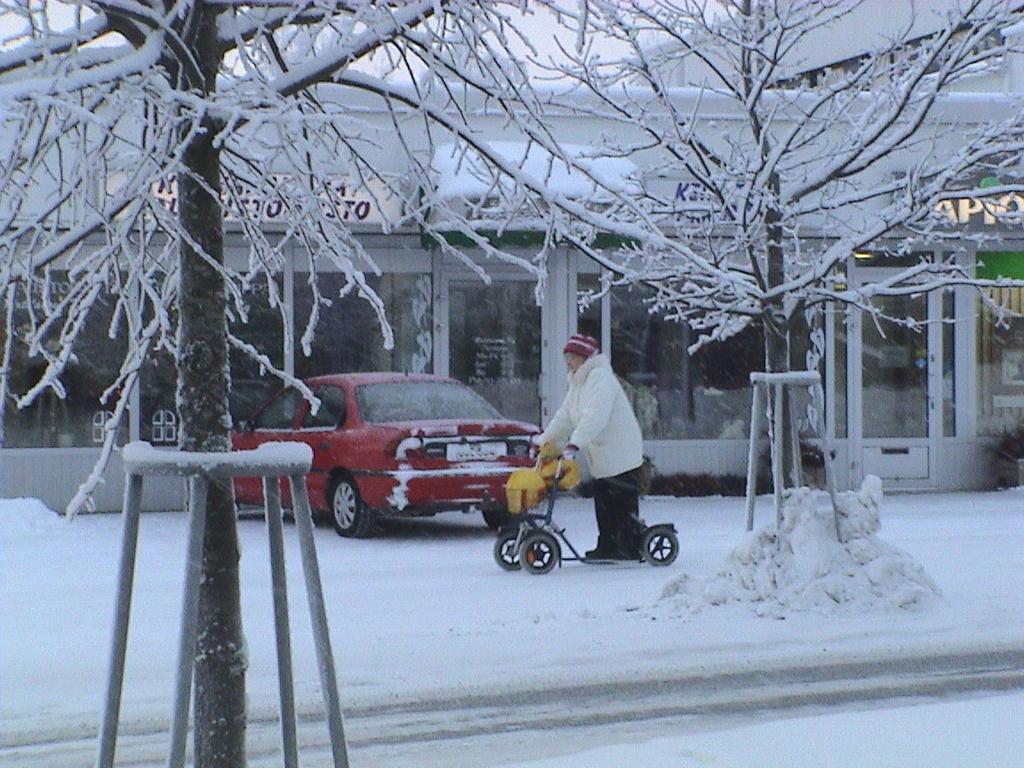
[164, 428]
[348, 336]
[674, 394]
[494, 344]
[251, 384]
[588, 319]
[806, 345]
[840, 318]
[894, 359]
[54, 419]
[1000, 363]
[948, 364]
[157, 385]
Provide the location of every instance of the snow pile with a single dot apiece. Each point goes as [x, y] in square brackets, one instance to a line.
[802, 567]
[27, 516]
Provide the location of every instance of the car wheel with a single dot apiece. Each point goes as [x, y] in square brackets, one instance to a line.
[496, 518]
[350, 515]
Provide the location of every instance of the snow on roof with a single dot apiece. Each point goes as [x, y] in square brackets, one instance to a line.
[460, 171]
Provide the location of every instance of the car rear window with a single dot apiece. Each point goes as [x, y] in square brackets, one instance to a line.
[421, 401]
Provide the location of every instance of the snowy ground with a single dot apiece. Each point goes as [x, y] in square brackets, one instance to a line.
[980, 733]
[422, 613]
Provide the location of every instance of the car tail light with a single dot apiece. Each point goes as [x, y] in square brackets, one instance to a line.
[418, 448]
[410, 445]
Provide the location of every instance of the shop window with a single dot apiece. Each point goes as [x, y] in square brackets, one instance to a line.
[74, 417]
[157, 387]
[807, 351]
[348, 335]
[676, 395]
[100, 419]
[494, 344]
[588, 318]
[251, 383]
[948, 364]
[1000, 362]
[840, 315]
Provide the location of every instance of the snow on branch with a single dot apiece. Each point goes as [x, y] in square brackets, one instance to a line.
[776, 143]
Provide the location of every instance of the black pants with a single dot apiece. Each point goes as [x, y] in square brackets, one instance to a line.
[617, 508]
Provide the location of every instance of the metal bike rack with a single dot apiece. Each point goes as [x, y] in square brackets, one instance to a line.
[758, 414]
[271, 462]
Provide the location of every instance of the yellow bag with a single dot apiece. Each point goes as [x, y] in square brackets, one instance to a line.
[548, 451]
[570, 474]
[524, 489]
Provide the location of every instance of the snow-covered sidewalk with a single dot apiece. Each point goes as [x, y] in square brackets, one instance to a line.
[980, 733]
[423, 609]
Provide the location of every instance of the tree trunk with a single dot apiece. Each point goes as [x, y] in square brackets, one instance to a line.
[203, 385]
[776, 333]
[776, 325]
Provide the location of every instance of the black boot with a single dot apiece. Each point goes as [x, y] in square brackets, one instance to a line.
[627, 543]
[602, 551]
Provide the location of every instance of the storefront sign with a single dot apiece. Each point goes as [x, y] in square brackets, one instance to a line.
[693, 202]
[368, 203]
[985, 211]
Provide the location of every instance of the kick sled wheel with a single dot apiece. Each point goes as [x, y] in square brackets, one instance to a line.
[660, 545]
[505, 554]
[539, 553]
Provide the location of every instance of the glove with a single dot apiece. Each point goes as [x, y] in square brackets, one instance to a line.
[569, 452]
[548, 451]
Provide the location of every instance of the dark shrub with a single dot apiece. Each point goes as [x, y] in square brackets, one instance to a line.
[703, 484]
[1011, 443]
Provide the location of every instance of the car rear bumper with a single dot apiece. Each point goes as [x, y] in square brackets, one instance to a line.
[412, 492]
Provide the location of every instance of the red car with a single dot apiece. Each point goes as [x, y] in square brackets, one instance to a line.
[392, 444]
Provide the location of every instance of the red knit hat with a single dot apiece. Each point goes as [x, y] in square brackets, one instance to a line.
[581, 344]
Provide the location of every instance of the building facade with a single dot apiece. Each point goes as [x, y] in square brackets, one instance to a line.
[922, 406]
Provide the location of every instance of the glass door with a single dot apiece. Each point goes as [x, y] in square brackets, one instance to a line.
[894, 378]
[494, 343]
[894, 367]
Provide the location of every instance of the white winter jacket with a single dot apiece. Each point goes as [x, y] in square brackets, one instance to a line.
[597, 418]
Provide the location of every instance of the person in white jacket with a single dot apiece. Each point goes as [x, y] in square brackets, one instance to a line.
[596, 418]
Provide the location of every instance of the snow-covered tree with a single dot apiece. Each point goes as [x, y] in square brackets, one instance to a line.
[131, 129]
[778, 137]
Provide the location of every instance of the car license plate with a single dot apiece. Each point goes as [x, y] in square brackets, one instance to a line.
[476, 451]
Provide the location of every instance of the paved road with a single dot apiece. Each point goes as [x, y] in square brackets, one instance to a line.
[498, 728]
